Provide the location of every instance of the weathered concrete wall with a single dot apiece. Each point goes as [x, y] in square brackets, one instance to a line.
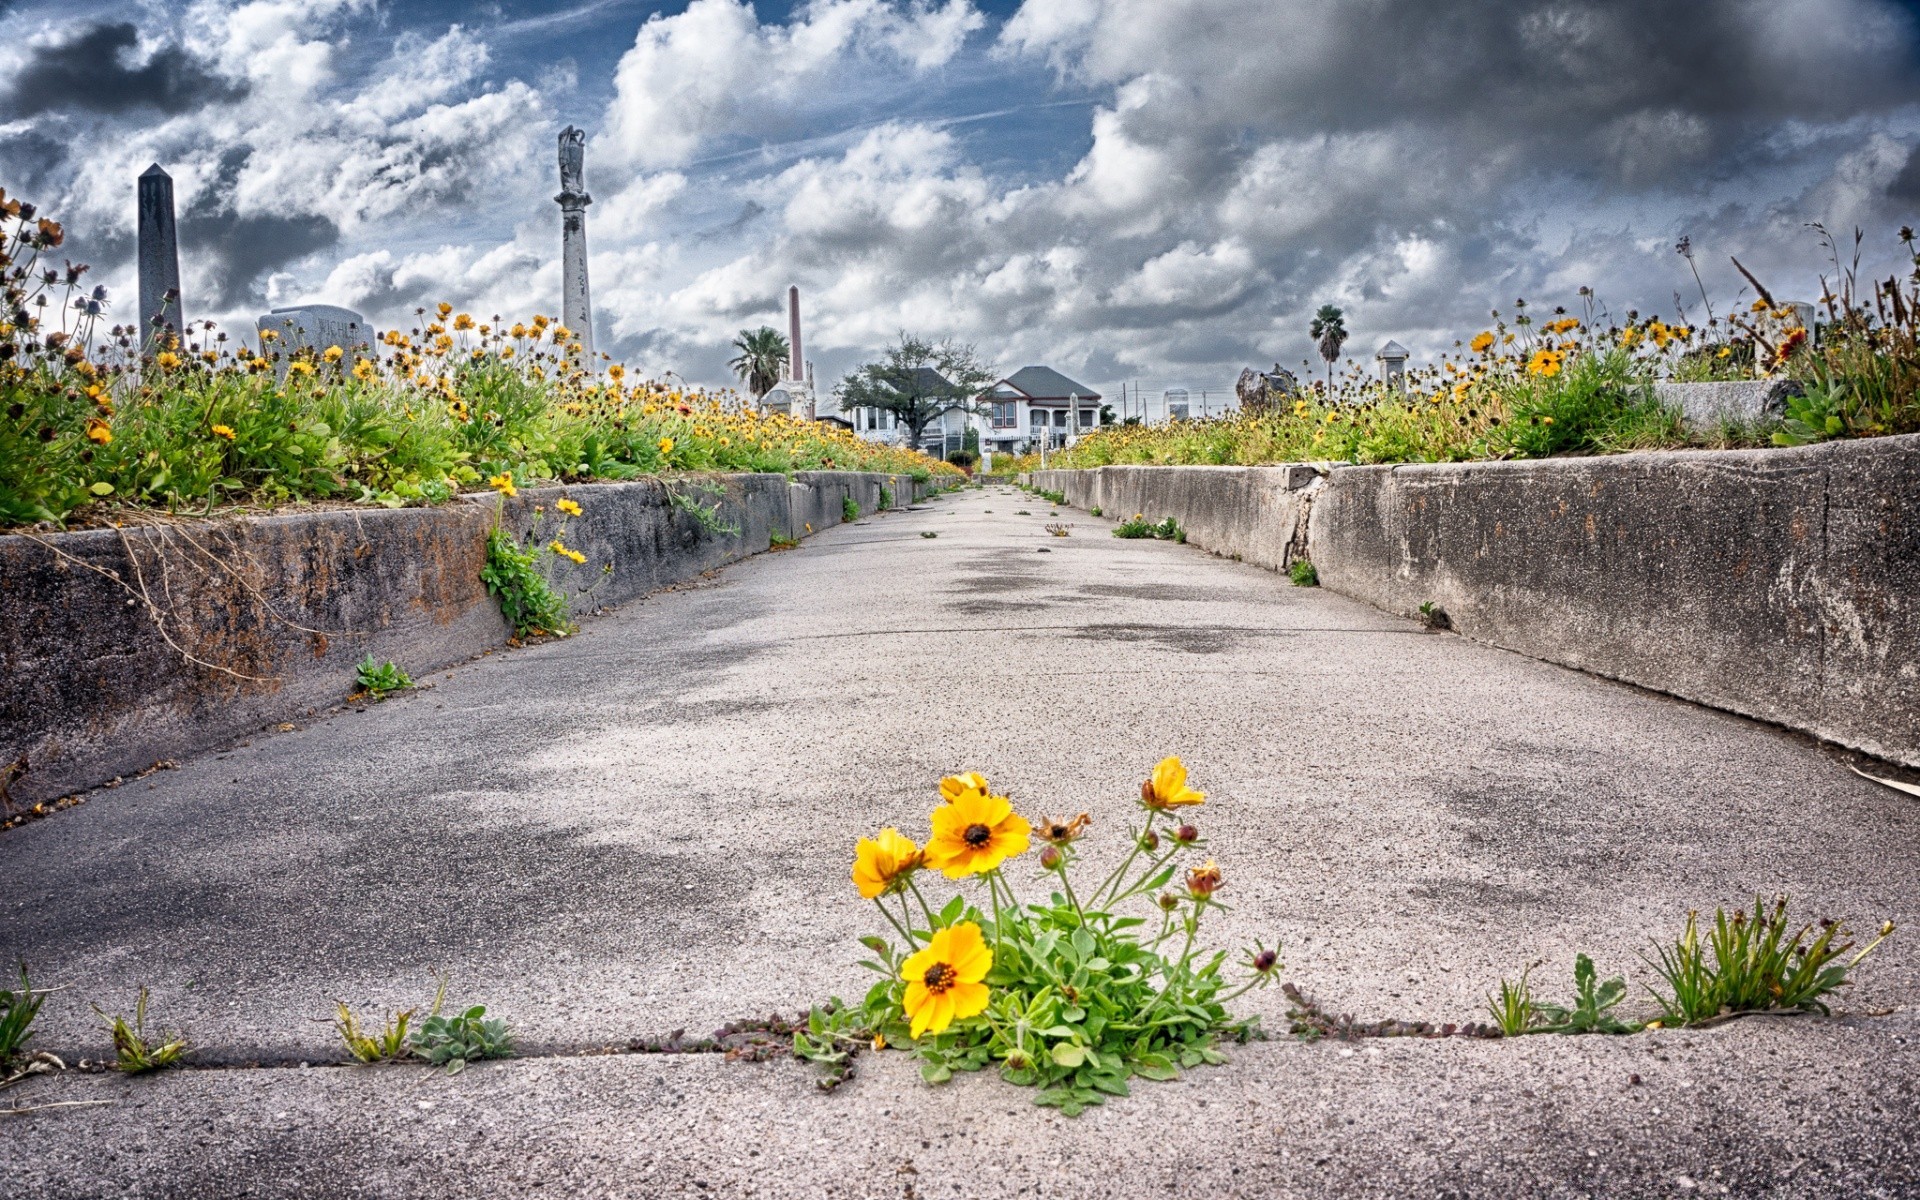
[121, 648]
[1254, 514]
[1781, 584]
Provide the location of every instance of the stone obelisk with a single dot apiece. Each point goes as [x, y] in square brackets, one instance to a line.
[799, 385]
[576, 308]
[159, 257]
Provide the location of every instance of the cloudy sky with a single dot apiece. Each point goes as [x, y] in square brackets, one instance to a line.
[1150, 190]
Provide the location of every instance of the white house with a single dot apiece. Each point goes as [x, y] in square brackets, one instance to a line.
[1035, 405]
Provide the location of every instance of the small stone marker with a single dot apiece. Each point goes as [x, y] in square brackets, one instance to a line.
[316, 327]
[159, 257]
[1392, 358]
[1739, 402]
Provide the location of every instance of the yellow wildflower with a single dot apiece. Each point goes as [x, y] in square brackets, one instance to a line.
[334, 354]
[503, 484]
[884, 864]
[225, 431]
[1167, 787]
[99, 432]
[568, 507]
[1482, 342]
[975, 833]
[666, 447]
[944, 980]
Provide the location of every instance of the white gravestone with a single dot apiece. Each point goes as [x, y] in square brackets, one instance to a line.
[316, 327]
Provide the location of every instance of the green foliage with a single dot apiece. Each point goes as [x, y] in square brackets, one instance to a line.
[90, 421]
[527, 600]
[1753, 963]
[886, 497]
[1514, 1009]
[18, 1008]
[380, 679]
[134, 1052]
[780, 541]
[392, 1043]
[1592, 1007]
[1083, 996]
[466, 1036]
[918, 381]
[707, 515]
[928, 534]
[1095, 510]
[1303, 573]
[763, 352]
[1814, 416]
[1138, 526]
[849, 509]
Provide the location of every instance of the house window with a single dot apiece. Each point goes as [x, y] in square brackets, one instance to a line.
[1006, 414]
[1037, 418]
[1087, 418]
[1060, 418]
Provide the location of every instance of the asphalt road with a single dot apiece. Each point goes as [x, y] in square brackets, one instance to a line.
[648, 828]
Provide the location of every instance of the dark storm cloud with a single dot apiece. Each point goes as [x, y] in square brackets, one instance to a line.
[235, 251]
[93, 72]
[29, 160]
[1906, 185]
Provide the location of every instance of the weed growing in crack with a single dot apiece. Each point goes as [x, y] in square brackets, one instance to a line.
[133, 1051]
[18, 1008]
[849, 509]
[1514, 1009]
[466, 1036]
[1071, 994]
[527, 600]
[1303, 573]
[1138, 526]
[1753, 963]
[379, 680]
[392, 1043]
[1593, 1004]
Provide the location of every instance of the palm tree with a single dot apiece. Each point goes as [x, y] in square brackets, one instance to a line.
[1329, 332]
[763, 355]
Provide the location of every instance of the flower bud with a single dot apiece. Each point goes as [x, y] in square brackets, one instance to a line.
[1168, 901]
[1265, 961]
[1186, 835]
[1149, 841]
[1203, 882]
[1050, 859]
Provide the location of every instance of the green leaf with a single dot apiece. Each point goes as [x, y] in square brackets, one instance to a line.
[1066, 1054]
[103, 488]
[952, 911]
[935, 1072]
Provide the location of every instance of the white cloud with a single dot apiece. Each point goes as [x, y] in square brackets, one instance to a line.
[714, 71]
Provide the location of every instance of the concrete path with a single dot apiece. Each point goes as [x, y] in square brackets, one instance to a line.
[648, 828]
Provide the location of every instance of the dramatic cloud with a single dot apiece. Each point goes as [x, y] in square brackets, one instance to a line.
[98, 70]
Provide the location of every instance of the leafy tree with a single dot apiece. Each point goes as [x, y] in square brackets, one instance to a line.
[918, 381]
[1329, 333]
[763, 356]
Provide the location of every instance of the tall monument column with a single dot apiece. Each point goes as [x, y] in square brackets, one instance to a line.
[576, 309]
[796, 361]
[159, 257]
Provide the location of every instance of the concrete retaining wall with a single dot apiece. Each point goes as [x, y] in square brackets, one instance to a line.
[1780, 584]
[1254, 514]
[123, 647]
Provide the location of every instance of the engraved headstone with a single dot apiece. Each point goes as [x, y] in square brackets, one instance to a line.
[316, 327]
[159, 257]
[576, 306]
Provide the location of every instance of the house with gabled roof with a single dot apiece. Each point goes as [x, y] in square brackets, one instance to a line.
[1034, 406]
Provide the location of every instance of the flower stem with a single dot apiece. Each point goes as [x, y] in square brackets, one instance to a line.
[1120, 871]
[897, 925]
